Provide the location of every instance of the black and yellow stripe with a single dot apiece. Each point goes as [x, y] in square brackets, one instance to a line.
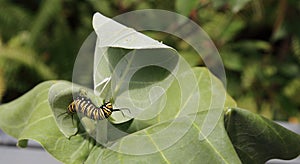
[87, 108]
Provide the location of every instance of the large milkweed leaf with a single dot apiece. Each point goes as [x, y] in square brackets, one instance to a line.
[121, 51]
[257, 139]
[161, 88]
[137, 71]
[30, 117]
[189, 148]
[218, 144]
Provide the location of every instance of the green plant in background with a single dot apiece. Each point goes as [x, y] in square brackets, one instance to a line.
[258, 41]
[18, 62]
[39, 41]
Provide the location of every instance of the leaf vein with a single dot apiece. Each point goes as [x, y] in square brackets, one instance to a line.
[160, 151]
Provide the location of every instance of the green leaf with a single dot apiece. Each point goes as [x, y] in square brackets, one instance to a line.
[189, 149]
[257, 139]
[30, 117]
[19, 112]
[60, 96]
[35, 120]
[137, 72]
[128, 64]
[216, 145]
[191, 57]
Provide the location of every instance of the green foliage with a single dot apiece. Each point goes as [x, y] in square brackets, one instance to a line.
[41, 50]
[18, 62]
[260, 51]
[257, 139]
[36, 120]
[13, 19]
[33, 117]
[258, 41]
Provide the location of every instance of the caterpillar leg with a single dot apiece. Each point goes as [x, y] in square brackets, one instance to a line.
[67, 115]
[121, 110]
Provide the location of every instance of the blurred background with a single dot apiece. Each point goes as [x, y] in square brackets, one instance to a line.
[259, 42]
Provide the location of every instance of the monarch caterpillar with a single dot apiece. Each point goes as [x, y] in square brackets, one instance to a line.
[85, 106]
